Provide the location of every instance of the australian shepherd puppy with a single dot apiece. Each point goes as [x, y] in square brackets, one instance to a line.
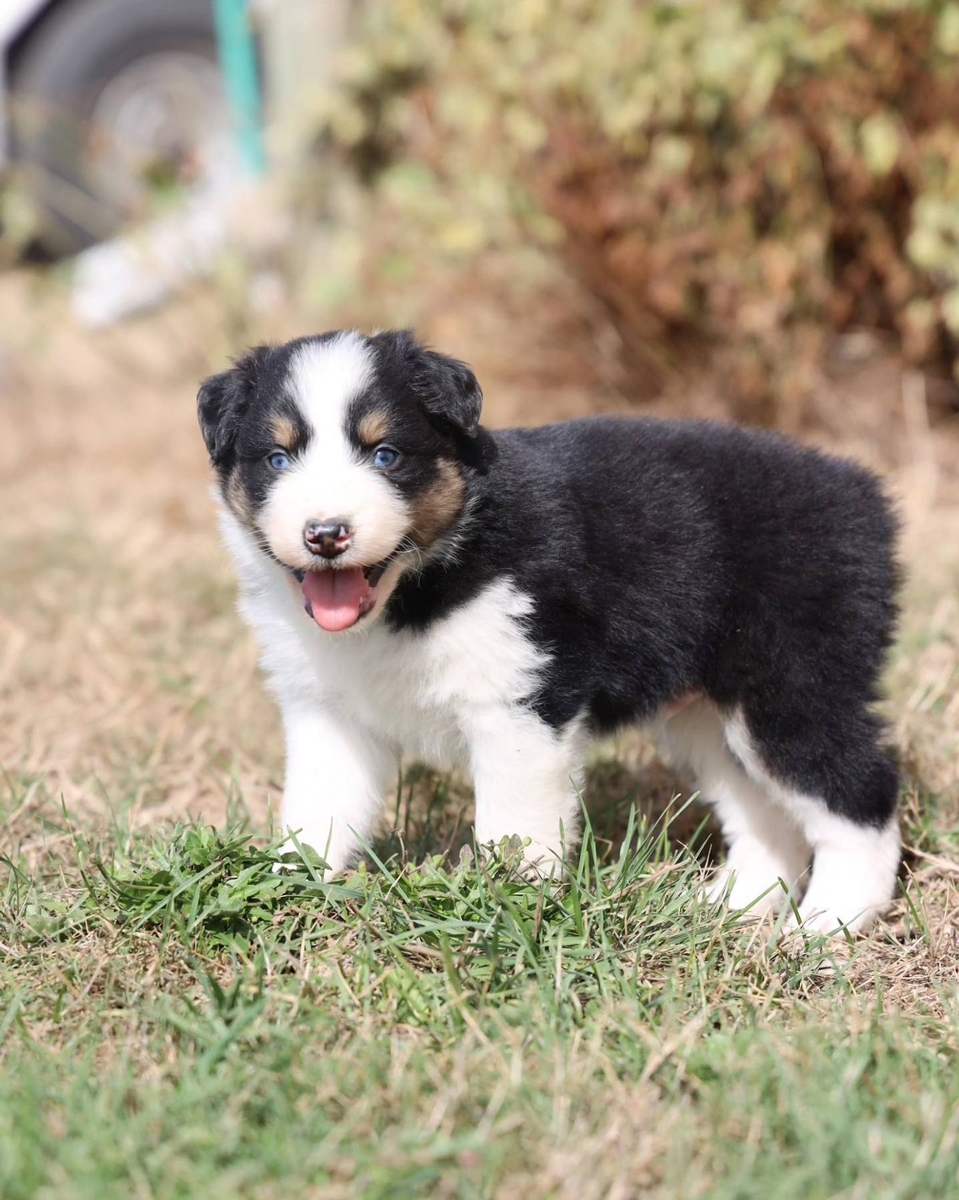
[420, 584]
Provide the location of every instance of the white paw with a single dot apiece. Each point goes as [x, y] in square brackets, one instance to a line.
[759, 892]
[534, 860]
[853, 879]
[298, 851]
[718, 891]
[818, 919]
[537, 862]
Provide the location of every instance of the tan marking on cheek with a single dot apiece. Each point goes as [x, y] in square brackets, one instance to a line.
[372, 428]
[282, 431]
[238, 500]
[437, 508]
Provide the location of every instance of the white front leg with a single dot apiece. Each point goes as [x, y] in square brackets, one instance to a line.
[336, 774]
[526, 777]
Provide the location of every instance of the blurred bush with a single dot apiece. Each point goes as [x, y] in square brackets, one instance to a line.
[735, 181]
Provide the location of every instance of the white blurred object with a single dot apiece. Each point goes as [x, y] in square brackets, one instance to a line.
[139, 270]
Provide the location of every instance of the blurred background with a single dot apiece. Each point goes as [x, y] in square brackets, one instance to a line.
[744, 210]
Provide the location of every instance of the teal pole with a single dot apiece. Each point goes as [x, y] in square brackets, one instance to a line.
[241, 79]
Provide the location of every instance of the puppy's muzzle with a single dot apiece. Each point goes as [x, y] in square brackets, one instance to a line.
[327, 539]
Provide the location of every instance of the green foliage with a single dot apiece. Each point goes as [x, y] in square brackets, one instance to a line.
[742, 176]
[476, 932]
[214, 885]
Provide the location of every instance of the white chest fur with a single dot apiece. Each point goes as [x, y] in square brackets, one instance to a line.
[423, 693]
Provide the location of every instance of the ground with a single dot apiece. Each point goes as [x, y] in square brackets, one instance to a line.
[176, 1019]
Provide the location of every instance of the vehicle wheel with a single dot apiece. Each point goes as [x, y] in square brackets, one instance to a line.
[116, 102]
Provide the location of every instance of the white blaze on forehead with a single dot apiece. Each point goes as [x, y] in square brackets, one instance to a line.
[331, 478]
[325, 377]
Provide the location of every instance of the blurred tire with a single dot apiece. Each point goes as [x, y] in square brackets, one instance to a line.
[59, 84]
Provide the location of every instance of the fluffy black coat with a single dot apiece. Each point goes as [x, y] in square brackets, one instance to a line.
[665, 557]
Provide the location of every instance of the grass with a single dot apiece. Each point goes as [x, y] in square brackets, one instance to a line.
[179, 1019]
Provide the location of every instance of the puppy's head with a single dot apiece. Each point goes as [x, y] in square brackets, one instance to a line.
[346, 457]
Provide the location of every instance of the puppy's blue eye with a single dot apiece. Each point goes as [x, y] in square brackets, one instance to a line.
[279, 461]
[385, 456]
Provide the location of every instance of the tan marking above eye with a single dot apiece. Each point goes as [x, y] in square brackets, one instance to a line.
[372, 428]
[283, 431]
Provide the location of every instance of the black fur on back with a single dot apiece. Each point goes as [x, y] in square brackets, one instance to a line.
[668, 556]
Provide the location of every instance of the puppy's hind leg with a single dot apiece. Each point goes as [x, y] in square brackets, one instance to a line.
[767, 855]
[841, 788]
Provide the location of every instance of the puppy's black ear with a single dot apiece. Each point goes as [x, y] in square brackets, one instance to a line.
[219, 405]
[448, 389]
[445, 387]
[222, 402]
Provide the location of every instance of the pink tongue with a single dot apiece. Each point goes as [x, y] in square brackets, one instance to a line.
[337, 599]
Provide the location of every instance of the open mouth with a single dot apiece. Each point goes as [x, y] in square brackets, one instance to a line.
[337, 598]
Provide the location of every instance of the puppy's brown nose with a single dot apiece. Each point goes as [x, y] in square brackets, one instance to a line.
[327, 538]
